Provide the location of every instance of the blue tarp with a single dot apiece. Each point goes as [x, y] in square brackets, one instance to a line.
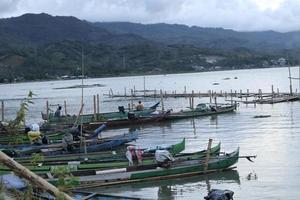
[11, 181]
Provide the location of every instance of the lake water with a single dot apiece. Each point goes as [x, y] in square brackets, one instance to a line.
[274, 140]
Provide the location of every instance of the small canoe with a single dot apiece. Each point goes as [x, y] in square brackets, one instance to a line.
[92, 145]
[128, 121]
[178, 168]
[202, 110]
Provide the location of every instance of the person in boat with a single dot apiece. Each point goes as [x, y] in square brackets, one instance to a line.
[163, 158]
[75, 131]
[57, 112]
[67, 141]
[134, 156]
[140, 106]
[34, 134]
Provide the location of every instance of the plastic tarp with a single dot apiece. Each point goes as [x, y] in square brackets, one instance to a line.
[11, 181]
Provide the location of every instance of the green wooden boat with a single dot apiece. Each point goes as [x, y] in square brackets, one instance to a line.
[102, 163]
[87, 118]
[178, 168]
[202, 110]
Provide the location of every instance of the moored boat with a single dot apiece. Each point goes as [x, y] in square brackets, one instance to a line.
[179, 168]
[203, 110]
[94, 162]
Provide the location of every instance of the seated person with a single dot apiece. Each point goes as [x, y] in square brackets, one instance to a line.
[57, 112]
[163, 158]
[140, 106]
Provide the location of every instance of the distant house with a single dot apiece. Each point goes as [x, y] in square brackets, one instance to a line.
[282, 62]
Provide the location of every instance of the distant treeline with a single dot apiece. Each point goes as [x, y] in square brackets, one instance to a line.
[41, 47]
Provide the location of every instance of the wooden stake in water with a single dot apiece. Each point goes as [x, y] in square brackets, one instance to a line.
[131, 99]
[47, 108]
[290, 77]
[162, 101]
[144, 86]
[207, 155]
[98, 104]
[65, 106]
[2, 111]
[94, 101]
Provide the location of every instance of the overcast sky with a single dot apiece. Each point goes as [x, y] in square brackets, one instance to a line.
[246, 15]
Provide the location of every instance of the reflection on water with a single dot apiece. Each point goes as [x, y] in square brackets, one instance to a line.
[188, 187]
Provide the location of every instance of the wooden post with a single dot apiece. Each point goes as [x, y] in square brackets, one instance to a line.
[144, 86]
[162, 101]
[209, 93]
[215, 97]
[272, 89]
[192, 99]
[125, 92]
[94, 101]
[65, 106]
[31, 177]
[47, 108]
[290, 77]
[98, 104]
[184, 89]
[131, 99]
[2, 110]
[190, 102]
[247, 95]
[134, 90]
[241, 94]
[278, 91]
[231, 97]
[235, 93]
[207, 155]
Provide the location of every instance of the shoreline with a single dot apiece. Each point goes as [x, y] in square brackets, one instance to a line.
[150, 74]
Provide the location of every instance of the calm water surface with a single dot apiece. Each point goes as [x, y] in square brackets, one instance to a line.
[274, 140]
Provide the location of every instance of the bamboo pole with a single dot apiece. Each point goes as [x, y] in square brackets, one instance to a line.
[2, 110]
[231, 97]
[47, 108]
[162, 101]
[94, 101]
[65, 106]
[98, 104]
[31, 177]
[131, 99]
[192, 99]
[290, 77]
[207, 155]
[144, 86]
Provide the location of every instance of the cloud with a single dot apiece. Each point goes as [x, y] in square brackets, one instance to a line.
[246, 15]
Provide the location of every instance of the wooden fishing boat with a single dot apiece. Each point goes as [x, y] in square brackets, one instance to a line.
[107, 156]
[92, 145]
[128, 121]
[50, 165]
[202, 110]
[87, 118]
[178, 168]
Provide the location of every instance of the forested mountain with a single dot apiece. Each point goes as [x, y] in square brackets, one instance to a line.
[41, 46]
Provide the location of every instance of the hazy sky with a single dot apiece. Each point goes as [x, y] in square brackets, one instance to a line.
[279, 15]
